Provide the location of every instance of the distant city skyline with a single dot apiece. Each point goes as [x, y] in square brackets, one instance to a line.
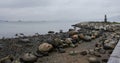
[57, 10]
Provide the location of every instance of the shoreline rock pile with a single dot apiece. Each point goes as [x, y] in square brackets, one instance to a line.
[42, 45]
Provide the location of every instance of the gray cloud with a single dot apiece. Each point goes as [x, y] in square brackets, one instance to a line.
[58, 9]
[22, 3]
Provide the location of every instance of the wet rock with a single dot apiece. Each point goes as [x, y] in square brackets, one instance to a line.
[28, 58]
[93, 60]
[50, 31]
[45, 47]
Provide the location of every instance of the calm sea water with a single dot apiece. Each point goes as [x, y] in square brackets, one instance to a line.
[9, 29]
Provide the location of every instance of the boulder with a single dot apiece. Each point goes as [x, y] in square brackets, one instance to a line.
[71, 33]
[81, 36]
[57, 42]
[45, 47]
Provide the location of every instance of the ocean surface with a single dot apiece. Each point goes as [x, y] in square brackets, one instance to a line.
[9, 29]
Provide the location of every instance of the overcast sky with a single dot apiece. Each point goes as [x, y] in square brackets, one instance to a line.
[56, 10]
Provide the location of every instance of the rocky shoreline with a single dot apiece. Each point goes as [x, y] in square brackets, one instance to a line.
[92, 42]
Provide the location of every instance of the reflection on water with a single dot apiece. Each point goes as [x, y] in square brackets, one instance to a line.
[9, 29]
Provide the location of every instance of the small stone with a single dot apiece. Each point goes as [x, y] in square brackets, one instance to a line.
[65, 45]
[72, 45]
[24, 40]
[91, 51]
[93, 37]
[108, 46]
[97, 54]
[61, 50]
[68, 40]
[97, 48]
[73, 52]
[110, 51]
[75, 36]
[87, 38]
[83, 53]
[93, 60]
[57, 42]
[102, 51]
[16, 61]
[104, 60]
[28, 57]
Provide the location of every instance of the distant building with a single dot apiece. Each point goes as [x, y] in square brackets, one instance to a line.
[105, 19]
